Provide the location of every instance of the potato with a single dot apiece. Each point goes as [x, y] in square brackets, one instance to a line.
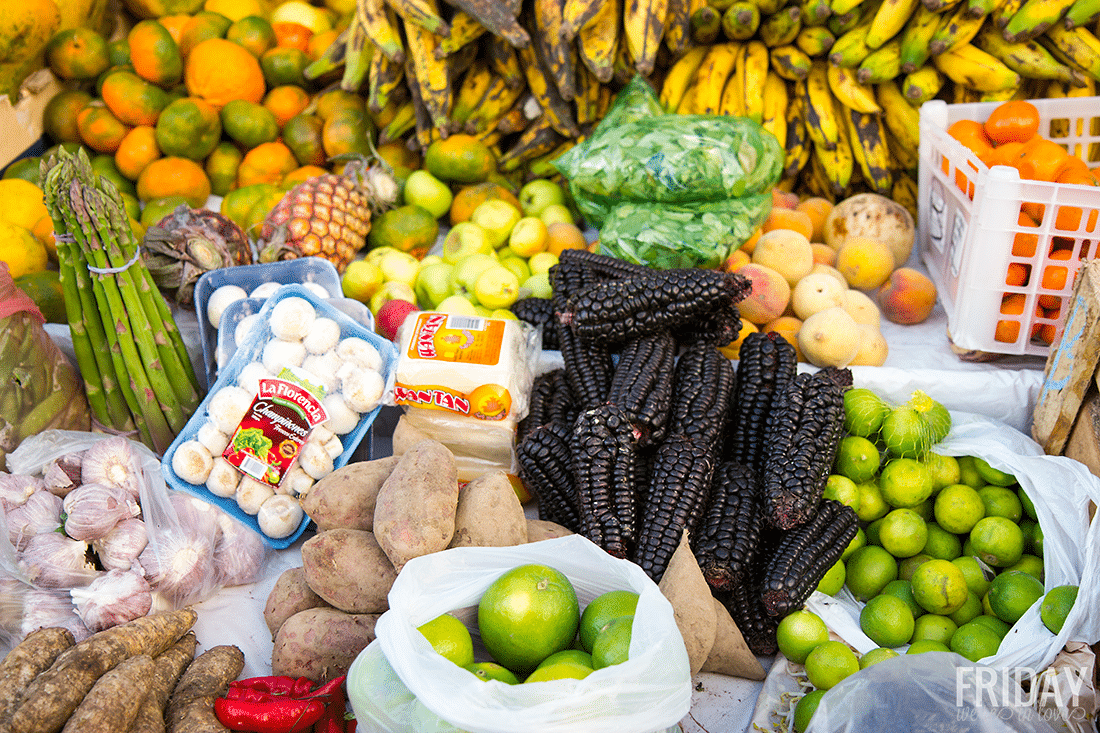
[686, 589]
[544, 529]
[348, 569]
[415, 511]
[874, 216]
[290, 595]
[730, 655]
[489, 513]
[321, 643]
[405, 436]
[345, 498]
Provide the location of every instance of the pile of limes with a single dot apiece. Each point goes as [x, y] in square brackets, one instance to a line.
[532, 626]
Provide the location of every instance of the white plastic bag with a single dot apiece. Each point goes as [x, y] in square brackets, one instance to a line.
[1061, 489]
[651, 691]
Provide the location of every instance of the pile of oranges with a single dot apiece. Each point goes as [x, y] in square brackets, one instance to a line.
[1010, 136]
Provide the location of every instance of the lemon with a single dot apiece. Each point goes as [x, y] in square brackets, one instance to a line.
[1001, 502]
[857, 542]
[927, 645]
[935, 627]
[872, 505]
[23, 253]
[968, 472]
[978, 575]
[1031, 565]
[958, 508]
[799, 633]
[857, 458]
[945, 470]
[903, 533]
[842, 489]
[909, 565]
[903, 589]
[905, 482]
[829, 663]
[869, 569]
[23, 202]
[805, 709]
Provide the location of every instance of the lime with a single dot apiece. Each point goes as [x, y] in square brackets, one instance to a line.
[805, 709]
[903, 533]
[842, 489]
[1029, 508]
[799, 633]
[906, 433]
[1031, 532]
[1031, 565]
[970, 610]
[999, 627]
[1037, 540]
[998, 541]
[869, 569]
[864, 412]
[909, 565]
[925, 510]
[602, 610]
[941, 544]
[1013, 592]
[450, 638]
[1001, 502]
[612, 644]
[875, 656]
[887, 621]
[968, 473]
[927, 645]
[992, 475]
[874, 532]
[903, 589]
[935, 414]
[568, 655]
[939, 587]
[857, 458]
[872, 505]
[860, 540]
[975, 641]
[559, 671]
[958, 508]
[829, 663]
[833, 579]
[945, 470]
[968, 546]
[935, 627]
[492, 671]
[905, 482]
[1056, 606]
[987, 610]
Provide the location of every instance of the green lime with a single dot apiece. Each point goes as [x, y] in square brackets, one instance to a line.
[992, 475]
[874, 532]
[559, 671]
[1025, 501]
[829, 663]
[999, 627]
[958, 508]
[935, 627]
[1001, 502]
[1013, 592]
[842, 489]
[905, 482]
[935, 414]
[887, 621]
[998, 541]
[872, 505]
[968, 546]
[945, 470]
[612, 644]
[909, 565]
[248, 123]
[1029, 528]
[969, 610]
[939, 587]
[942, 544]
[869, 569]
[906, 433]
[799, 633]
[927, 645]
[903, 533]
[1056, 606]
[568, 655]
[805, 708]
[156, 210]
[25, 168]
[975, 641]
[968, 473]
[1037, 540]
[833, 579]
[1031, 565]
[860, 540]
[903, 589]
[876, 655]
[105, 166]
[492, 671]
[857, 458]
[450, 638]
[602, 610]
[864, 412]
[925, 510]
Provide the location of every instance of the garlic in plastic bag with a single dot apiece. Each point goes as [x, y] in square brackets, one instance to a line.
[52, 560]
[94, 509]
[178, 562]
[112, 462]
[44, 609]
[39, 513]
[113, 598]
[118, 549]
[16, 489]
[64, 474]
[239, 553]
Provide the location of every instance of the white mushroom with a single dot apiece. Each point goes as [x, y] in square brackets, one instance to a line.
[279, 353]
[324, 367]
[220, 300]
[251, 494]
[317, 289]
[360, 351]
[227, 407]
[265, 290]
[192, 462]
[215, 440]
[292, 318]
[223, 478]
[315, 460]
[296, 482]
[341, 418]
[334, 447]
[323, 336]
[321, 434]
[244, 327]
[250, 375]
[279, 516]
[362, 388]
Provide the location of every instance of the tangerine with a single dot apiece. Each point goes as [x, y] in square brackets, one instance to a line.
[292, 35]
[346, 131]
[201, 26]
[1012, 121]
[189, 128]
[266, 163]
[59, 116]
[99, 128]
[284, 65]
[249, 123]
[174, 176]
[303, 134]
[133, 100]
[77, 53]
[138, 149]
[220, 71]
[254, 33]
[285, 102]
[221, 168]
[154, 54]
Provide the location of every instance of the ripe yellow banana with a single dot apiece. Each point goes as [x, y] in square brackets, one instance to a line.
[432, 75]
[555, 51]
[837, 164]
[679, 77]
[598, 41]
[905, 192]
[1029, 59]
[775, 107]
[1078, 48]
[840, 7]
[955, 30]
[870, 150]
[577, 13]
[901, 118]
[851, 48]
[677, 26]
[815, 40]
[712, 73]
[972, 67]
[922, 85]
[790, 62]
[1034, 18]
[423, 13]
[753, 73]
[464, 29]
[904, 159]
[475, 83]
[498, 99]
[916, 36]
[781, 28]
[644, 25]
[850, 92]
[1004, 12]
[732, 102]
[881, 64]
[372, 14]
[889, 19]
[822, 122]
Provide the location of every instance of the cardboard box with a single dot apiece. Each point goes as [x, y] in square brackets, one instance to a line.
[22, 122]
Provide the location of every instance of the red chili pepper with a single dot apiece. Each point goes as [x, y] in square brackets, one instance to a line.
[277, 685]
[327, 689]
[250, 695]
[333, 719]
[272, 716]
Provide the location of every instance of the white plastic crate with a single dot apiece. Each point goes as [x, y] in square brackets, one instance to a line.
[966, 236]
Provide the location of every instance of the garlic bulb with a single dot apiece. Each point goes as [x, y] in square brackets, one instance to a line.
[179, 566]
[324, 367]
[265, 290]
[323, 336]
[43, 609]
[118, 549]
[227, 407]
[113, 462]
[243, 329]
[279, 516]
[361, 352]
[250, 376]
[315, 460]
[296, 482]
[292, 318]
[279, 353]
[192, 462]
[341, 418]
[215, 440]
[52, 560]
[362, 388]
[220, 299]
[94, 509]
[112, 599]
[251, 494]
[64, 474]
[40, 513]
[239, 552]
[223, 478]
[16, 489]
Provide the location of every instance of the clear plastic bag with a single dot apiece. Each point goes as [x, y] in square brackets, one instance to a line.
[651, 691]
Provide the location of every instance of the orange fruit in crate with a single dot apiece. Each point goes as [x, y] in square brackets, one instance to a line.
[174, 176]
[154, 54]
[1013, 121]
[1006, 154]
[138, 149]
[1055, 277]
[971, 134]
[1025, 244]
[1046, 332]
[1007, 331]
[220, 71]
[1041, 159]
[1018, 274]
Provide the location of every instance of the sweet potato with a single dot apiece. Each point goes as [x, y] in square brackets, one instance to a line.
[112, 703]
[321, 643]
[415, 512]
[191, 707]
[27, 660]
[290, 595]
[686, 589]
[167, 669]
[730, 655]
[345, 498]
[348, 569]
[489, 513]
[544, 529]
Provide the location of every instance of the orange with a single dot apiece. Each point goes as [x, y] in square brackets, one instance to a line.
[971, 134]
[59, 117]
[319, 43]
[138, 149]
[77, 53]
[99, 128]
[750, 244]
[221, 168]
[133, 100]
[202, 26]
[266, 163]
[562, 235]
[1014, 121]
[1007, 331]
[249, 123]
[303, 173]
[399, 155]
[1025, 244]
[469, 197]
[188, 128]
[292, 35]
[284, 65]
[1018, 274]
[303, 135]
[1005, 154]
[118, 52]
[220, 71]
[818, 209]
[252, 32]
[1041, 159]
[285, 102]
[460, 158]
[328, 103]
[346, 131]
[1055, 277]
[174, 23]
[154, 54]
[174, 177]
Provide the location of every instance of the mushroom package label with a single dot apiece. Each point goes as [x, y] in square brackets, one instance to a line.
[277, 424]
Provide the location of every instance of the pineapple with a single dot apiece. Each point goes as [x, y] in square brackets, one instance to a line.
[329, 215]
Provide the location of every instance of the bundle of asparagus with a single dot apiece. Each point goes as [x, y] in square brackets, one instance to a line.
[136, 371]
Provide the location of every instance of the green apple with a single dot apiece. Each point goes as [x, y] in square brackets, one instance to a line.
[536, 195]
[361, 280]
[430, 260]
[433, 284]
[529, 236]
[517, 265]
[467, 270]
[555, 213]
[392, 290]
[542, 262]
[497, 287]
[465, 238]
[458, 305]
[496, 217]
[399, 266]
[539, 286]
[428, 192]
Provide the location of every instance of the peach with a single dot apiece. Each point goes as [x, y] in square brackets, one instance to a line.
[818, 209]
[787, 252]
[769, 297]
[815, 293]
[787, 327]
[784, 199]
[823, 254]
[907, 297]
[829, 338]
[864, 262]
[736, 261]
[830, 271]
[799, 221]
